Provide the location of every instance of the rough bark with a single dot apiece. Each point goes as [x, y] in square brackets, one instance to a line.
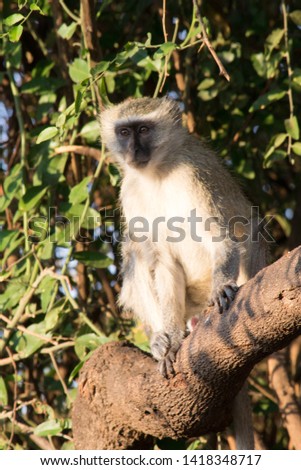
[123, 400]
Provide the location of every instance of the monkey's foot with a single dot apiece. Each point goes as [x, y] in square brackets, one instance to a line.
[164, 348]
[224, 295]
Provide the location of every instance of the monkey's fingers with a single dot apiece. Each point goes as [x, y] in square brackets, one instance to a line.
[166, 367]
[164, 348]
[224, 296]
[160, 345]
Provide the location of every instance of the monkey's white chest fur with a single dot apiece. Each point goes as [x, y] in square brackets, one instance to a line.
[166, 225]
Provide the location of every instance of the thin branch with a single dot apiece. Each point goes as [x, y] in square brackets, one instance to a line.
[8, 414]
[289, 76]
[9, 360]
[59, 374]
[14, 410]
[262, 390]
[288, 403]
[206, 40]
[67, 344]
[69, 12]
[19, 115]
[89, 152]
[36, 335]
[164, 21]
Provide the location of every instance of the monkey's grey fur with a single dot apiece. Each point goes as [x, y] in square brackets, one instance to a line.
[169, 173]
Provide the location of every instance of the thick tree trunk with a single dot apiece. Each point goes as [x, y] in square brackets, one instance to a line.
[123, 400]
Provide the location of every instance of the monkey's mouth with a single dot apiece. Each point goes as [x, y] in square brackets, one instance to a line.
[138, 162]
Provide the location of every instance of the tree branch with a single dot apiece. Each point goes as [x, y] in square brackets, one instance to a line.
[123, 400]
[222, 70]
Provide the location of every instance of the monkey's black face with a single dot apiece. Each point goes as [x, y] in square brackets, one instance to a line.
[135, 140]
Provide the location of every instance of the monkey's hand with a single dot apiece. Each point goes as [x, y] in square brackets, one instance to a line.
[164, 347]
[223, 295]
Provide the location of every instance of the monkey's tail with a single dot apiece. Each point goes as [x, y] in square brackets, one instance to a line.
[242, 420]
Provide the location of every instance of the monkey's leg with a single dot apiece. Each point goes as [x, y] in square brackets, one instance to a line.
[225, 274]
[170, 290]
[156, 294]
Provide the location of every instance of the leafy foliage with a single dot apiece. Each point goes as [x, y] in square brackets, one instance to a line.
[59, 227]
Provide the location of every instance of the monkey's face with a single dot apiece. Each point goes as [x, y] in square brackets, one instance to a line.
[142, 133]
[135, 142]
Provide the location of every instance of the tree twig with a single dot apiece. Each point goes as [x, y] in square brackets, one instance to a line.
[80, 149]
[207, 42]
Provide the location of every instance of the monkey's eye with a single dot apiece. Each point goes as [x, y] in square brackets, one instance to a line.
[143, 130]
[124, 131]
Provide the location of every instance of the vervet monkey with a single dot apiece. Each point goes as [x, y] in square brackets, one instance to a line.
[189, 239]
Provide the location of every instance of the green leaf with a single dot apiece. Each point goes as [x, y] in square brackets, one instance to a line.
[13, 182]
[274, 39]
[78, 101]
[279, 139]
[47, 134]
[78, 367]
[295, 16]
[89, 342]
[114, 174]
[292, 127]
[165, 49]
[35, 7]
[31, 198]
[206, 83]
[12, 295]
[53, 317]
[263, 101]
[45, 290]
[14, 52]
[296, 147]
[273, 156]
[227, 56]
[67, 31]
[207, 95]
[28, 344]
[90, 131]
[148, 42]
[15, 33]
[6, 237]
[14, 243]
[93, 259]
[100, 67]
[259, 64]
[42, 85]
[79, 193]
[13, 19]
[79, 70]
[4, 203]
[52, 427]
[74, 213]
[297, 79]
[3, 393]
[139, 55]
